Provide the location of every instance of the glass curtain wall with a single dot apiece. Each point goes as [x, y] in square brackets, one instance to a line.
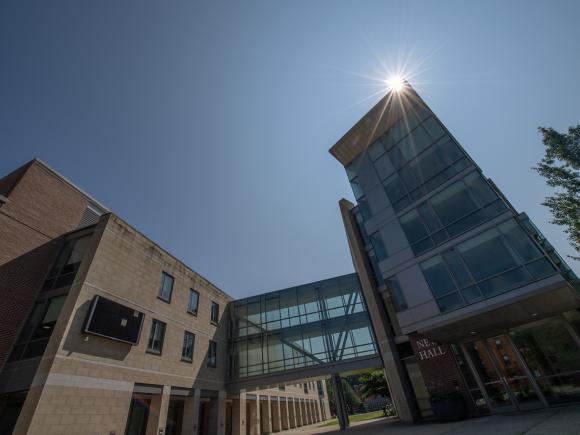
[318, 323]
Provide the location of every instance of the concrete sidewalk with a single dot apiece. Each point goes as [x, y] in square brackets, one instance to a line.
[554, 421]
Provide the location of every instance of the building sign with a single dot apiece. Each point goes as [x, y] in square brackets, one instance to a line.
[428, 349]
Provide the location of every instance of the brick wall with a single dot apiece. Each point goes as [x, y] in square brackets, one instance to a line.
[40, 208]
[438, 366]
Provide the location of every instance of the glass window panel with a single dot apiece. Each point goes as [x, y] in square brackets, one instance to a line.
[450, 302]
[187, 349]
[376, 150]
[396, 157]
[485, 255]
[428, 217]
[215, 312]
[397, 296]
[422, 246]
[395, 189]
[437, 276]
[356, 189]
[384, 167]
[166, 287]
[212, 354]
[414, 143]
[46, 326]
[411, 178]
[471, 294]
[457, 269]
[520, 241]
[433, 127]
[540, 268]
[194, 301]
[350, 171]
[364, 208]
[378, 246]
[156, 336]
[453, 203]
[413, 226]
[504, 282]
[479, 190]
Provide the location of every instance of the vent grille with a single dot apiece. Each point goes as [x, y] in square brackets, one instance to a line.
[90, 216]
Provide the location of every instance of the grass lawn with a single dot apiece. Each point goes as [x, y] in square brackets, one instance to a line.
[353, 418]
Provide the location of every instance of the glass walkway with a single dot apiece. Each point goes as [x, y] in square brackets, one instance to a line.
[310, 330]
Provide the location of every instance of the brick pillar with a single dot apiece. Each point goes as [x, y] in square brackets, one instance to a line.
[190, 423]
[158, 412]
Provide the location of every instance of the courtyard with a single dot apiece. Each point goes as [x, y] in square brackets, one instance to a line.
[554, 421]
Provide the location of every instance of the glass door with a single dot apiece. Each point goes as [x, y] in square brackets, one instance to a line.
[513, 373]
[498, 397]
[504, 378]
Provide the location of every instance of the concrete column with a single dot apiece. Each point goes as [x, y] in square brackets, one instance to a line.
[254, 416]
[325, 403]
[285, 415]
[217, 414]
[239, 414]
[266, 415]
[292, 413]
[158, 412]
[276, 415]
[298, 407]
[190, 422]
[307, 411]
[341, 411]
[318, 409]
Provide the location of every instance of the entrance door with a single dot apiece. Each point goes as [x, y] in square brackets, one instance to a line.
[503, 375]
[138, 415]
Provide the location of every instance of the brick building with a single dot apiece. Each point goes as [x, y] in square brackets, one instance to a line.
[70, 270]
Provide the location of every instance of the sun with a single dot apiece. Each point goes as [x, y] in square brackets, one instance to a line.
[395, 83]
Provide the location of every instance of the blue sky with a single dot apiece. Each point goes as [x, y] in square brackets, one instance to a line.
[207, 125]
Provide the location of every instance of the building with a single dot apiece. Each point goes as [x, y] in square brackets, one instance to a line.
[464, 292]
[103, 331]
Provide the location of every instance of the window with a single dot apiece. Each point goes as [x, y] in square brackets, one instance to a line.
[397, 297]
[156, 337]
[68, 262]
[215, 312]
[212, 354]
[305, 386]
[38, 329]
[378, 247]
[187, 349]
[493, 262]
[450, 212]
[166, 287]
[193, 302]
[417, 176]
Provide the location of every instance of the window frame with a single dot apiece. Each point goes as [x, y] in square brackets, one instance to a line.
[209, 347]
[184, 358]
[211, 318]
[161, 286]
[193, 313]
[162, 340]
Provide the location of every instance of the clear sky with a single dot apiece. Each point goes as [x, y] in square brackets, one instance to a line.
[207, 125]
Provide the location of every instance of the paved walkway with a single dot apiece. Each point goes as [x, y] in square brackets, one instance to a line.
[554, 421]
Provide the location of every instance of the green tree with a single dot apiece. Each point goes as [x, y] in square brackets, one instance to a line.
[374, 384]
[561, 169]
[351, 399]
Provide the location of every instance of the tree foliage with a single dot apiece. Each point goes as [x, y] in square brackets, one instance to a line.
[375, 384]
[561, 169]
